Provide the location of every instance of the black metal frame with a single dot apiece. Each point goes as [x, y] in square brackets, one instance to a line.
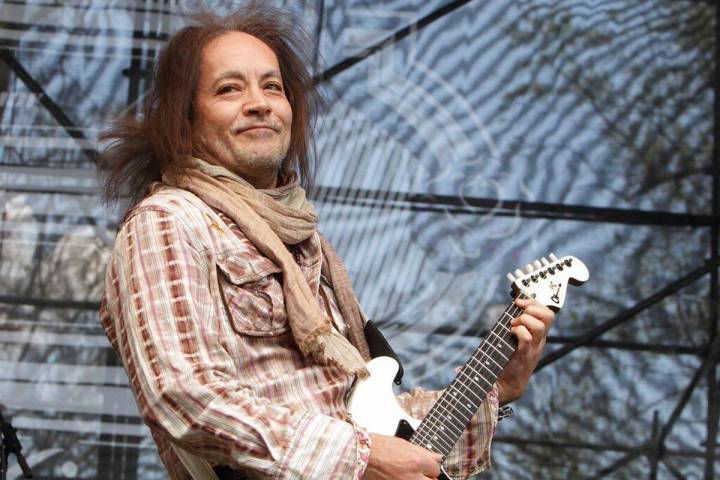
[53, 108]
[653, 448]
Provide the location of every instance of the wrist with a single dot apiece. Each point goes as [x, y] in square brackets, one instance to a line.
[507, 393]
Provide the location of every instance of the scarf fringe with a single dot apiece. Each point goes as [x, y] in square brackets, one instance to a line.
[327, 347]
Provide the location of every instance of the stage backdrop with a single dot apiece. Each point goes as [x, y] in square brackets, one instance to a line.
[488, 134]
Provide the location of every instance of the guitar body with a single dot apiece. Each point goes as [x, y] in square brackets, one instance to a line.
[373, 404]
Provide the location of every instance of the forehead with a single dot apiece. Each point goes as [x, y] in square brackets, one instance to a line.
[237, 51]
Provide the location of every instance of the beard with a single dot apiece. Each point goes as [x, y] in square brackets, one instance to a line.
[255, 158]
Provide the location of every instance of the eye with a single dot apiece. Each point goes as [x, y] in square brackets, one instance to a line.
[227, 89]
[274, 86]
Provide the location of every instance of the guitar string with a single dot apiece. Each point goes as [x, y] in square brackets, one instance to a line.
[473, 368]
[501, 340]
[448, 414]
[449, 406]
[504, 327]
[422, 437]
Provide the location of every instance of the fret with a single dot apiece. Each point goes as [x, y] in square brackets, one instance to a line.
[473, 379]
[450, 406]
[486, 365]
[465, 406]
[464, 391]
[502, 364]
[453, 415]
[441, 443]
[444, 438]
[509, 316]
[434, 440]
[498, 350]
[501, 346]
[445, 410]
[507, 335]
[438, 423]
[479, 374]
[441, 423]
[440, 429]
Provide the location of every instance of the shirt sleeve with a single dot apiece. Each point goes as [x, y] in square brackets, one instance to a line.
[158, 314]
[471, 455]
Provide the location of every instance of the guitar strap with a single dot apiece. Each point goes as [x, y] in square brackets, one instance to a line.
[198, 467]
[379, 347]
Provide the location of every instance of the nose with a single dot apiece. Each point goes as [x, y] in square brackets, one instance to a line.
[256, 103]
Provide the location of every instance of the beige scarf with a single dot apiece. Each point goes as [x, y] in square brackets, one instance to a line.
[269, 219]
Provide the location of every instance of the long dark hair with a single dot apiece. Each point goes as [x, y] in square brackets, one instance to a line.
[140, 148]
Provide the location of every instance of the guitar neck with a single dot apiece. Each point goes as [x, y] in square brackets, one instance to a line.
[451, 414]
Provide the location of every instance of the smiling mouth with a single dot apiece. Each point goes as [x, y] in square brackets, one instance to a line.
[256, 128]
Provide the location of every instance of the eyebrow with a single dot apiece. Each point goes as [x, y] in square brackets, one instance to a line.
[238, 74]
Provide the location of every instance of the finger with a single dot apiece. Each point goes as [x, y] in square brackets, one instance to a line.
[523, 336]
[431, 462]
[436, 457]
[536, 327]
[432, 471]
[537, 310]
[541, 312]
[523, 302]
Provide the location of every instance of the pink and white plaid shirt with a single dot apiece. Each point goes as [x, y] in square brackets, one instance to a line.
[196, 314]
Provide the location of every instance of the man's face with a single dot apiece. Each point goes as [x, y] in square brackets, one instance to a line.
[243, 117]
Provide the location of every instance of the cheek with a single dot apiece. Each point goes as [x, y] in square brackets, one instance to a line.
[217, 117]
[286, 113]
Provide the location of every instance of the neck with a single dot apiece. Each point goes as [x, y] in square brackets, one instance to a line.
[262, 182]
[261, 179]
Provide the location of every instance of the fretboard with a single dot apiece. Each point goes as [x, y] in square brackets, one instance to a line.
[451, 414]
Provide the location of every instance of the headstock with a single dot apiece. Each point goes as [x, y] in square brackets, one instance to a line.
[547, 280]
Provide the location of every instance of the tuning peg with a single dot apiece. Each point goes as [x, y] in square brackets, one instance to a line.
[510, 277]
[519, 273]
[545, 261]
[529, 268]
[537, 264]
[553, 257]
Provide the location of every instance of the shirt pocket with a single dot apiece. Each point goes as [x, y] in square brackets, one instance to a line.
[252, 294]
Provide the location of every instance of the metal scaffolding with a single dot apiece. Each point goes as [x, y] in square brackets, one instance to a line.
[654, 449]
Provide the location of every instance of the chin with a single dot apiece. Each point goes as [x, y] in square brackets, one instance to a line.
[260, 157]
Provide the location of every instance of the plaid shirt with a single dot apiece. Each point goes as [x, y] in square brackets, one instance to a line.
[196, 314]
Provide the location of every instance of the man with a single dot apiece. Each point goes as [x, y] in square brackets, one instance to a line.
[234, 318]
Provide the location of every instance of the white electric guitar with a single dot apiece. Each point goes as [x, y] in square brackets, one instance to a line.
[372, 403]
